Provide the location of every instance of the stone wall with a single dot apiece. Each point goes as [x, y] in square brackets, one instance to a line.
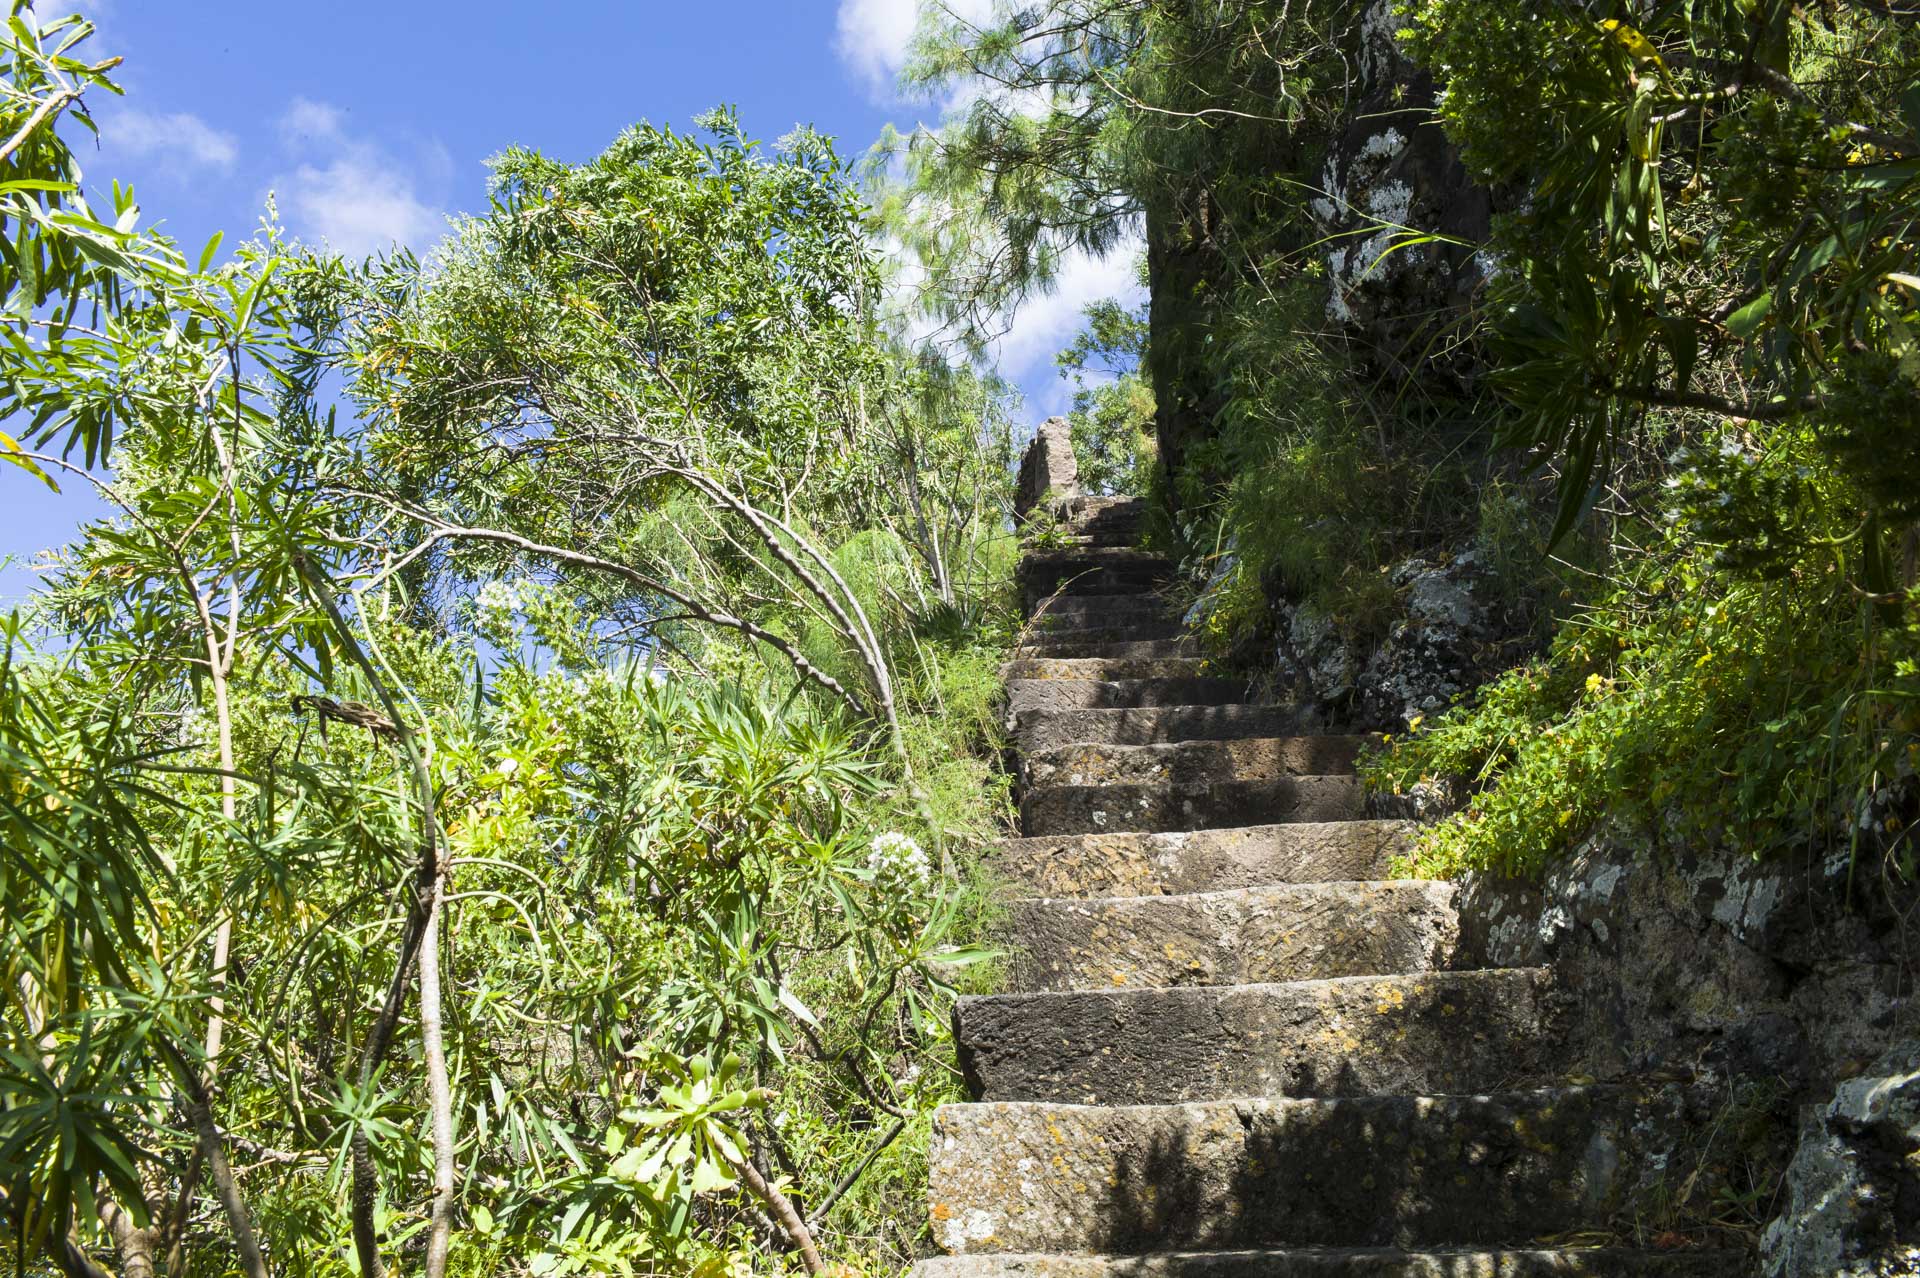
[1792, 976]
[1449, 634]
[1392, 173]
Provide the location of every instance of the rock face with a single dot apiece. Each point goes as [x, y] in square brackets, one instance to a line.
[1234, 1048]
[1853, 1208]
[1705, 961]
[1393, 173]
[1787, 976]
[1445, 642]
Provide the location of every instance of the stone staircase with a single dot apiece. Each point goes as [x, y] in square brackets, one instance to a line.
[1236, 1050]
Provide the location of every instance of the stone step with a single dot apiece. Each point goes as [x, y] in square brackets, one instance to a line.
[1101, 512]
[1094, 865]
[1125, 608]
[1063, 646]
[1192, 762]
[1156, 725]
[1038, 582]
[1121, 533]
[1110, 669]
[1083, 628]
[1427, 1034]
[1375, 1171]
[1355, 1262]
[1095, 809]
[1024, 695]
[1104, 556]
[1283, 932]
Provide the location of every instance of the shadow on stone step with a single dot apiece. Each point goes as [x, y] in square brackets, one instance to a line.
[1392, 1171]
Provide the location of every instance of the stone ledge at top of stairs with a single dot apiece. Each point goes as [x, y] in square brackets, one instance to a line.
[1434, 1033]
[1025, 695]
[1284, 932]
[1192, 762]
[1079, 809]
[1373, 1171]
[1155, 864]
[1042, 729]
[1351, 1262]
[1087, 511]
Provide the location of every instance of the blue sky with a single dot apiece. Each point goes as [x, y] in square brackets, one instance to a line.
[371, 122]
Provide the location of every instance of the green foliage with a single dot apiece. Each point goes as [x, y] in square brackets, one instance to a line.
[499, 824]
[1722, 203]
[1111, 422]
[1687, 704]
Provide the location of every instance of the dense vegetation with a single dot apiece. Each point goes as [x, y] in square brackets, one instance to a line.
[496, 796]
[491, 795]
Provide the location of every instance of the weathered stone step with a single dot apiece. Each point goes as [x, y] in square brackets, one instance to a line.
[1106, 556]
[1101, 512]
[1192, 762]
[1124, 608]
[1025, 695]
[1377, 1171]
[1065, 646]
[1137, 864]
[1355, 1262]
[1043, 729]
[1427, 1034]
[1107, 668]
[1089, 809]
[1069, 578]
[1068, 628]
[1284, 932]
[1121, 534]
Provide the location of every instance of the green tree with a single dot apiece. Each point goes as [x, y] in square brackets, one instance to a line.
[1111, 422]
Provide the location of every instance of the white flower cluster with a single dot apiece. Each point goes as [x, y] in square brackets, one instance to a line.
[494, 607]
[897, 856]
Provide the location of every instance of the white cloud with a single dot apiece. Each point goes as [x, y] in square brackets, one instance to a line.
[355, 196]
[1048, 321]
[874, 36]
[357, 205]
[308, 121]
[184, 139]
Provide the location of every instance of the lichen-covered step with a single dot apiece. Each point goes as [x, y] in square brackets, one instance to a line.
[1192, 762]
[1103, 669]
[1376, 1171]
[1284, 932]
[1081, 610]
[1101, 514]
[1043, 729]
[1025, 695]
[1084, 809]
[1064, 630]
[1429, 1034]
[1123, 535]
[1158, 864]
[1090, 571]
[1104, 646]
[1356, 1262]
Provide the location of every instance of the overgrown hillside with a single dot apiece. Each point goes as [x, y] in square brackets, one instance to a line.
[1605, 310]
[499, 794]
